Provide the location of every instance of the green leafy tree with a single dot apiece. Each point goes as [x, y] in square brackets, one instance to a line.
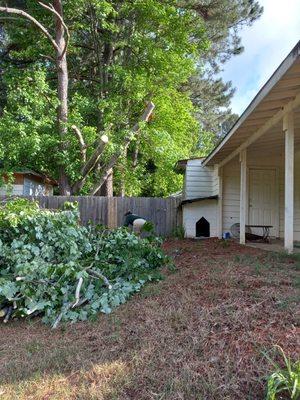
[91, 75]
[120, 56]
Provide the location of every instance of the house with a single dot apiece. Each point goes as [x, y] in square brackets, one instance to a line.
[28, 183]
[252, 177]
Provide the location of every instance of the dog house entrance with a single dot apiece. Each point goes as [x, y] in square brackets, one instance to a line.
[202, 228]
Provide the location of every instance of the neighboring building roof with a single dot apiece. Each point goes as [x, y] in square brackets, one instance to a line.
[199, 199]
[280, 89]
[46, 178]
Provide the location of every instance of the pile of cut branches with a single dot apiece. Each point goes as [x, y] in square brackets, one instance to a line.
[53, 266]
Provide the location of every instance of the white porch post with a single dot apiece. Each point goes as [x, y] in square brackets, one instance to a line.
[220, 203]
[288, 128]
[243, 196]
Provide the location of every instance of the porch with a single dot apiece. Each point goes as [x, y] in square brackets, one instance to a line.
[258, 161]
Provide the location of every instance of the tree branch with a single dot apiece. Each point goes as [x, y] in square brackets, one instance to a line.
[81, 141]
[95, 157]
[48, 58]
[90, 164]
[52, 9]
[24, 14]
[144, 118]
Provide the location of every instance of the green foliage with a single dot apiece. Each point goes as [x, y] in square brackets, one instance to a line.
[50, 264]
[27, 129]
[284, 383]
[114, 68]
[179, 232]
[163, 55]
[148, 227]
[12, 215]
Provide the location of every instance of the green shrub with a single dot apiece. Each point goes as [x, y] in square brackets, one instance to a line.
[50, 264]
[284, 383]
[148, 227]
[178, 232]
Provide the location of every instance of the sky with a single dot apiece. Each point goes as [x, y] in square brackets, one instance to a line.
[267, 42]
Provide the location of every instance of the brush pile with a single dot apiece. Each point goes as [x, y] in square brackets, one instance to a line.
[52, 266]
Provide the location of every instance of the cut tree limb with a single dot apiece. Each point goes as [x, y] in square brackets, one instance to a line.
[90, 164]
[93, 160]
[81, 142]
[98, 274]
[144, 118]
[8, 314]
[65, 308]
[77, 292]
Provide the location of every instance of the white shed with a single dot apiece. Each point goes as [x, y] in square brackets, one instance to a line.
[200, 199]
[250, 180]
[28, 183]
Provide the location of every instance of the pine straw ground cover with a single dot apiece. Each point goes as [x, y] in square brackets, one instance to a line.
[199, 334]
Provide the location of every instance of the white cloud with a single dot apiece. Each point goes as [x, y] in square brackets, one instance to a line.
[266, 43]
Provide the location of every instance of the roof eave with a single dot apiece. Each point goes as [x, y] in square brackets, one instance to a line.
[275, 77]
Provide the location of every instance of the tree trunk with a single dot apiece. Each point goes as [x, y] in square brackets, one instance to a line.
[62, 92]
[107, 187]
[123, 173]
[60, 45]
[136, 153]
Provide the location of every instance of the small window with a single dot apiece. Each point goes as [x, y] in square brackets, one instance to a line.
[202, 228]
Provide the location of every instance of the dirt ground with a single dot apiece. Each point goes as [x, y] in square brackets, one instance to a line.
[202, 333]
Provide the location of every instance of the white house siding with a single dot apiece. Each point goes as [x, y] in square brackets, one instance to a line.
[296, 199]
[203, 182]
[199, 181]
[215, 182]
[192, 212]
[231, 185]
[231, 194]
[231, 190]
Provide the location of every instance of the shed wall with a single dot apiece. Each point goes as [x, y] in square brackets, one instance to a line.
[17, 190]
[28, 188]
[199, 181]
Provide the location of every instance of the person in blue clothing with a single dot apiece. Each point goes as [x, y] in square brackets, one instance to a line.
[135, 221]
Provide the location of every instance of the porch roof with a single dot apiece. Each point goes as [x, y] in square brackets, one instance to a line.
[282, 88]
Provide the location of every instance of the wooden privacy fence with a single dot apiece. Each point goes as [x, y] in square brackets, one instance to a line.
[164, 213]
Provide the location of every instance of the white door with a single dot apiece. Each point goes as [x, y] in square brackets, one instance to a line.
[263, 199]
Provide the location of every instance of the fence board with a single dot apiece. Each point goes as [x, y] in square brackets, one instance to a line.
[164, 213]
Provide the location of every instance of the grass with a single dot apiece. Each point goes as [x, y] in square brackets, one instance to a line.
[284, 382]
[200, 334]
